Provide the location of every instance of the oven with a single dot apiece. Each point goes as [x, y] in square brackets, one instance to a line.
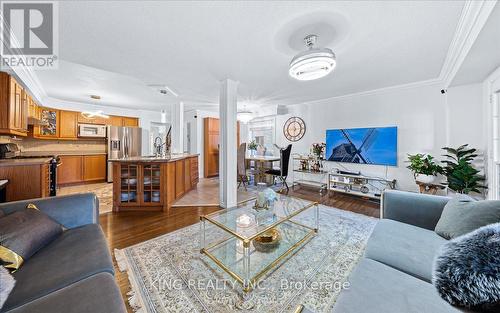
[91, 130]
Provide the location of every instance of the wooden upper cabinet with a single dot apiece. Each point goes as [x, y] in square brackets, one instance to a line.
[13, 107]
[68, 125]
[33, 111]
[115, 120]
[95, 120]
[130, 121]
[49, 123]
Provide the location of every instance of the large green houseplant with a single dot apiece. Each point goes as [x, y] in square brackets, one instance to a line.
[461, 176]
[423, 167]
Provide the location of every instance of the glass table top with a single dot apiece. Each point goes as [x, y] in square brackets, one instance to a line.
[246, 222]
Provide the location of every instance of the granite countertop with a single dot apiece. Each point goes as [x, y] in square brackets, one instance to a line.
[18, 162]
[153, 159]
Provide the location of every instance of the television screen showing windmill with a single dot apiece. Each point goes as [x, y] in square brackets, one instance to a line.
[378, 145]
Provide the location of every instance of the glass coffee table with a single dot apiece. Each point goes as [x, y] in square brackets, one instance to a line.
[246, 243]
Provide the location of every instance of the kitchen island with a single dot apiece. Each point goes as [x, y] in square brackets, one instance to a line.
[152, 183]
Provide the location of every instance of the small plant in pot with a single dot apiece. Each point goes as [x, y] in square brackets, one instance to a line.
[252, 146]
[461, 176]
[424, 168]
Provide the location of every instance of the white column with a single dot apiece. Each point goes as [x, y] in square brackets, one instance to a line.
[227, 143]
[177, 127]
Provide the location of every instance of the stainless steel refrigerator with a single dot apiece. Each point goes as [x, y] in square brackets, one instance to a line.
[123, 142]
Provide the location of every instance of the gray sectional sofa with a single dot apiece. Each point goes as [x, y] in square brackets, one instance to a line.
[74, 273]
[394, 276]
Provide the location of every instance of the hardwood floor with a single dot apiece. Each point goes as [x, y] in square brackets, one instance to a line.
[128, 228]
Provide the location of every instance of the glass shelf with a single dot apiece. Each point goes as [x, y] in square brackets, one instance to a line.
[128, 193]
[151, 183]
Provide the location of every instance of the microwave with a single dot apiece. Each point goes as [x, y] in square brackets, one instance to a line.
[91, 130]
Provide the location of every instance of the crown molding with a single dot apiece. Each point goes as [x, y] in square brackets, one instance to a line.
[473, 18]
[422, 83]
[24, 73]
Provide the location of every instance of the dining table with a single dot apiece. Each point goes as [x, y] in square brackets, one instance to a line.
[260, 162]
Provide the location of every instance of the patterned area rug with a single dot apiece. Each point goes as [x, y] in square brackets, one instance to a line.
[168, 273]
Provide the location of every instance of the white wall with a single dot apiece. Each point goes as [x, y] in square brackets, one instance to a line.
[466, 120]
[426, 121]
[466, 116]
[145, 117]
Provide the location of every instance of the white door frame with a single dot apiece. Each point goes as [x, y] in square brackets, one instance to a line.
[491, 101]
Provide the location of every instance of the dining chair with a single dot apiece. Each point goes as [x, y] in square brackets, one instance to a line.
[282, 172]
[241, 163]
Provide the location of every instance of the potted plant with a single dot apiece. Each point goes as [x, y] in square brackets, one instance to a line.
[423, 167]
[252, 146]
[318, 149]
[461, 176]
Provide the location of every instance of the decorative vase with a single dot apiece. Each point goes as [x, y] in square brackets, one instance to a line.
[426, 179]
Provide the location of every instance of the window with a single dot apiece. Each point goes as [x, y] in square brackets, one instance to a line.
[263, 131]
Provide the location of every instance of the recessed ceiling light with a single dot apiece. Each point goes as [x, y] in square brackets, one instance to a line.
[96, 97]
[313, 63]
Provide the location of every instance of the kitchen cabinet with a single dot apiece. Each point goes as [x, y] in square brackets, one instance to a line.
[71, 170]
[33, 111]
[179, 178]
[94, 167]
[152, 185]
[68, 125]
[94, 120]
[130, 121]
[79, 169]
[187, 174]
[49, 124]
[115, 120]
[27, 180]
[13, 107]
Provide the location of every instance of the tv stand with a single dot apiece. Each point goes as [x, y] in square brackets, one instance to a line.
[358, 185]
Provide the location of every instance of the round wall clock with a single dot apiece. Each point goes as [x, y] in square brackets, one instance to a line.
[294, 128]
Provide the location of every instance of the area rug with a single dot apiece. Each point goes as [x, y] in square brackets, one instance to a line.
[168, 273]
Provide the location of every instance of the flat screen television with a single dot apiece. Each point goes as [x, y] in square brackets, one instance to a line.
[376, 145]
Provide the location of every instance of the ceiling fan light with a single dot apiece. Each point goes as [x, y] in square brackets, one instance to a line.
[244, 116]
[312, 64]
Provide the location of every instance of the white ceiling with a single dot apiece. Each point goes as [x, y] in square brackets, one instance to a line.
[484, 54]
[191, 46]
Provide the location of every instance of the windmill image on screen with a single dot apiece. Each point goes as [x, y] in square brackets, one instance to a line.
[363, 145]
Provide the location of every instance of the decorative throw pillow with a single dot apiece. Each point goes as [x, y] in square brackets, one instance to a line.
[467, 269]
[463, 214]
[6, 285]
[23, 233]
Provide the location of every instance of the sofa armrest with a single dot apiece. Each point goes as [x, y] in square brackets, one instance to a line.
[412, 208]
[71, 211]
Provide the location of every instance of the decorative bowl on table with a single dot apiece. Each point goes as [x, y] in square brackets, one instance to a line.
[268, 241]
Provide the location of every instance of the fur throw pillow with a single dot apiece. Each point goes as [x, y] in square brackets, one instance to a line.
[467, 269]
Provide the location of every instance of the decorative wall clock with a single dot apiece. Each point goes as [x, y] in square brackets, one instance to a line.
[294, 128]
